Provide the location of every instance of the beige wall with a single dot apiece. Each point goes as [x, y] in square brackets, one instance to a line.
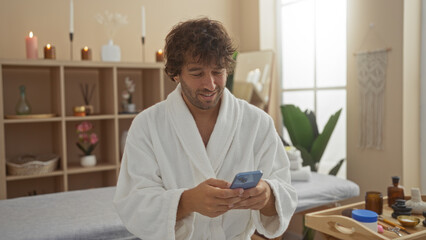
[398, 29]
[49, 20]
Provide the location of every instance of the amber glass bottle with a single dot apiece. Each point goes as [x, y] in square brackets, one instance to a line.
[395, 191]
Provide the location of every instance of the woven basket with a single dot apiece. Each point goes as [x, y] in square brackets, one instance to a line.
[32, 164]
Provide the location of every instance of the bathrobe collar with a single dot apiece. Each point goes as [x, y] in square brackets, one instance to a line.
[206, 162]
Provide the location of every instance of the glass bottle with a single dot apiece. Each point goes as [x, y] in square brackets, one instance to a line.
[395, 191]
[23, 107]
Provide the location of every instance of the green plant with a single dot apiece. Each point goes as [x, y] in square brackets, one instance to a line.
[303, 130]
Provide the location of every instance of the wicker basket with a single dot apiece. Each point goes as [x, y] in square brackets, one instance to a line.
[32, 164]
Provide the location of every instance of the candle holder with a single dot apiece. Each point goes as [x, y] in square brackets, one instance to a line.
[86, 53]
[71, 38]
[49, 52]
[143, 49]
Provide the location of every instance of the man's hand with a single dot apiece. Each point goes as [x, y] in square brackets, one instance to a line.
[258, 198]
[210, 198]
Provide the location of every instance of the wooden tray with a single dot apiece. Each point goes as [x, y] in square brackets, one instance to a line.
[31, 116]
[331, 222]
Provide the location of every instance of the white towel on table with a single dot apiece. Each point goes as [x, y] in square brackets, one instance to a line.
[296, 164]
[304, 174]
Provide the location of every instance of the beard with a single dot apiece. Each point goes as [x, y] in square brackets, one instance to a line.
[197, 97]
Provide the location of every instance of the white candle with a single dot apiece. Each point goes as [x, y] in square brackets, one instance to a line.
[143, 22]
[71, 16]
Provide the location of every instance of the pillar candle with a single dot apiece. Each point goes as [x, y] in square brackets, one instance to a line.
[159, 55]
[71, 16]
[49, 52]
[31, 45]
[86, 53]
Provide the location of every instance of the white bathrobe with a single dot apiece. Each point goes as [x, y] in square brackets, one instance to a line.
[165, 155]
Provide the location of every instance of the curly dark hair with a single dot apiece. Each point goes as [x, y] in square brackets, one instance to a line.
[202, 39]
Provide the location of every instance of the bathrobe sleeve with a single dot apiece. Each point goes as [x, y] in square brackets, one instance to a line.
[274, 163]
[146, 208]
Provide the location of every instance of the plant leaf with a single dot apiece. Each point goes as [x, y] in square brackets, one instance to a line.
[81, 148]
[336, 168]
[313, 120]
[307, 158]
[320, 143]
[91, 148]
[298, 126]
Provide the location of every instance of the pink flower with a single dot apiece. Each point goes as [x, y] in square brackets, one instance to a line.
[84, 126]
[93, 138]
[83, 137]
[87, 139]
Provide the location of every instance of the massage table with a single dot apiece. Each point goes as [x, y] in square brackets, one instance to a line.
[90, 214]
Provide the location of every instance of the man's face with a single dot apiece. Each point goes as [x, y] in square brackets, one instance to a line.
[202, 84]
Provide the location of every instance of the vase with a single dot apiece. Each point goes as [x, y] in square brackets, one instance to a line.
[88, 110]
[22, 107]
[111, 52]
[416, 202]
[131, 108]
[88, 161]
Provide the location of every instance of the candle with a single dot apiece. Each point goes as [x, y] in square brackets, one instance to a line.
[86, 53]
[71, 16]
[143, 27]
[159, 56]
[49, 52]
[31, 46]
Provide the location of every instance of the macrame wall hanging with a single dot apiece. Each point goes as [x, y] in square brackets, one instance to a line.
[372, 66]
[372, 78]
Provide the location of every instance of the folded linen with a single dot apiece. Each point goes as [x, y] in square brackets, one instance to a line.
[293, 153]
[296, 164]
[303, 174]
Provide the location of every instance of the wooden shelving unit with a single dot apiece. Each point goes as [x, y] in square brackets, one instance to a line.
[53, 88]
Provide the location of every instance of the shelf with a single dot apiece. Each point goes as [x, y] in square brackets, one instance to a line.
[54, 173]
[54, 87]
[74, 168]
[34, 120]
[90, 118]
[127, 115]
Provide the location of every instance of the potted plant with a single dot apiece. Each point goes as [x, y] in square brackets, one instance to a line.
[87, 141]
[128, 105]
[303, 130]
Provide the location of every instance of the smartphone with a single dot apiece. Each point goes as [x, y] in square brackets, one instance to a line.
[246, 180]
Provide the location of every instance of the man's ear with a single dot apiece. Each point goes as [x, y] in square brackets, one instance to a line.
[176, 78]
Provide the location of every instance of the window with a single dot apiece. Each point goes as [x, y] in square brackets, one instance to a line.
[313, 54]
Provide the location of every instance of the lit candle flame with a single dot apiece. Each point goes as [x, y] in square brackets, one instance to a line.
[48, 46]
[160, 51]
[86, 49]
[31, 34]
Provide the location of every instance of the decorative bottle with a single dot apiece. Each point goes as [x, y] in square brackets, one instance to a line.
[23, 107]
[395, 191]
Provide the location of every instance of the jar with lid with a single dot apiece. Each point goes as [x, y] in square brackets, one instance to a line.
[374, 202]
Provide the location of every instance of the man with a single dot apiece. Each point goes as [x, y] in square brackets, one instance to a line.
[181, 154]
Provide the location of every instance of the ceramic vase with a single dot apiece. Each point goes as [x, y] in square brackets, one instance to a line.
[416, 202]
[130, 108]
[88, 161]
[111, 52]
